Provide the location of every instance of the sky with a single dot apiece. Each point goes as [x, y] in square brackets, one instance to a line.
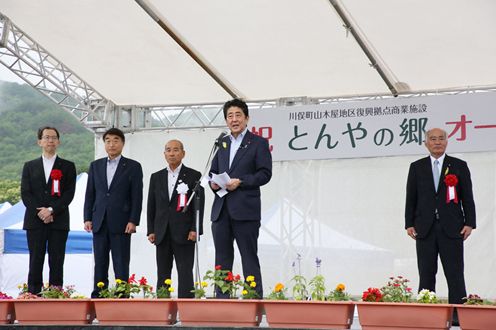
[7, 75]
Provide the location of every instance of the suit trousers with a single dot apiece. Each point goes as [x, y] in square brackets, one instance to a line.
[184, 254]
[104, 243]
[225, 230]
[39, 241]
[450, 251]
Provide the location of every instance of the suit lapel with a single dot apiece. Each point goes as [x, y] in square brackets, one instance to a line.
[41, 172]
[442, 175]
[163, 182]
[180, 179]
[56, 165]
[427, 169]
[243, 147]
[224, 155]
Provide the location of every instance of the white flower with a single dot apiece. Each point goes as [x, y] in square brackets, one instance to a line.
[77, 295]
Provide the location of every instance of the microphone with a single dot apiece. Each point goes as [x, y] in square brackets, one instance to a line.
[218, 140]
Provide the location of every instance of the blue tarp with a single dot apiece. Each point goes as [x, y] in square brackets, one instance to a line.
[78, 242]
[13, 215]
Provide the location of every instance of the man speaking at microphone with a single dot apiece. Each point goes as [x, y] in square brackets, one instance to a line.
[246, 158]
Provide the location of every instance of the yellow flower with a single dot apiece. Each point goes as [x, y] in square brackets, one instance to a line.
[204, 284]
[224, 145]
[168, 281]
[279, 287]
[101, 284]
[19, 286]
[253, 284]
[118, 281]
[250, 278]
[244, 292]
[171, 289]
[340, 287]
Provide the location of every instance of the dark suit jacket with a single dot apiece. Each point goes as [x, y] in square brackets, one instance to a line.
[253, 165]
[121, 202]
[422, 199]
[162, 214]
[35, 192]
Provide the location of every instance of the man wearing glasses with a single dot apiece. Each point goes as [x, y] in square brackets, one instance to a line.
[47, 188]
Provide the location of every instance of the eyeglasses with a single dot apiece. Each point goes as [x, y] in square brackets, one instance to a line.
[47, 138]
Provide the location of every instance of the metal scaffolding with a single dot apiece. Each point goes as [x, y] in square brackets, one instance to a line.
[38, 68]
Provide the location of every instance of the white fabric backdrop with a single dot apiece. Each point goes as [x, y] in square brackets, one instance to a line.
[347, 212]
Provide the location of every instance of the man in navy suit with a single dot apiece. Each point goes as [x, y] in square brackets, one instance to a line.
[47, 188]
[440, 214]
[246, 158]
[170, 227]
[112, 208]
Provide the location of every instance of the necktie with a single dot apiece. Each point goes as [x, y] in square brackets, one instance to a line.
[435, 173]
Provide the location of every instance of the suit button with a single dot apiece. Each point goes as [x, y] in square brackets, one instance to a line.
[108, 194]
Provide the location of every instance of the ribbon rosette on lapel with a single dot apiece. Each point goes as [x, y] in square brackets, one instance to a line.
[451, 181]
[56, 175]
[182, 195]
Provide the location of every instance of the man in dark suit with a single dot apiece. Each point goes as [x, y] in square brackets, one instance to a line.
[112, 208]
[246, 158]
[440, 214]
[47, 188]
[172, 230]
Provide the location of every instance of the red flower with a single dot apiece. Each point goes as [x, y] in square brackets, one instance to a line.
[372, 294]
[229, 277]
[218, 267]
[132, 279]
[237, 277]
[142, 281]
[451, 180]
[56, 174]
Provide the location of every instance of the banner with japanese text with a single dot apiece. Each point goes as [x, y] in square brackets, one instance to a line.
[374, 128]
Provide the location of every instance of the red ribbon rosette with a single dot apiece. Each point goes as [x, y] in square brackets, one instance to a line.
[56, 175]
[451, 181]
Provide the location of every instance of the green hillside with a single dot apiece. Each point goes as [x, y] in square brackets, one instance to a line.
[22, 111]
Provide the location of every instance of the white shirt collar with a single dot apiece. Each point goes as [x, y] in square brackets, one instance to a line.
[240, 136]
[115, 160]
[177, 170]
[49, 159]
[440, 160]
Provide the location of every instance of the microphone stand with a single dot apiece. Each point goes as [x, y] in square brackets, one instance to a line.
[197, 198]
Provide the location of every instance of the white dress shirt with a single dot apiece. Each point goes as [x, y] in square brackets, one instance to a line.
[235, 144]
[48, 165]
[111, 168]
[172, 178]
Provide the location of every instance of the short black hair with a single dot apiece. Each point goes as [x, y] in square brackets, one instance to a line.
[41, 129]
[235, 103]
[114, 131]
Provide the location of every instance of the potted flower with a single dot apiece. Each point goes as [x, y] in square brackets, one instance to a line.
[242, 309]
[7, 314]
[476, 313]
[148, 308]
[54, 305]
[311, 306]
[393, 306]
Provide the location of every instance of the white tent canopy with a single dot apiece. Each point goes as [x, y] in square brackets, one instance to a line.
[266, 50]
[263, 49]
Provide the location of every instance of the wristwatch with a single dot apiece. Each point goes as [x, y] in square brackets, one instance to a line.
[50, 209]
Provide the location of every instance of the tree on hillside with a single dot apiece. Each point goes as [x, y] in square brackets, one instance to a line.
[22, 111]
